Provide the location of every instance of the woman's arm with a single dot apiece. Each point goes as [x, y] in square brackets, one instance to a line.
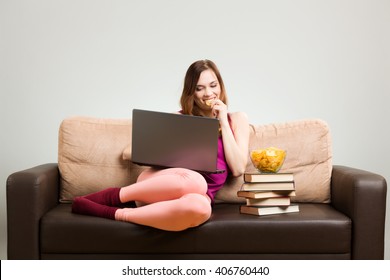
[236, 142]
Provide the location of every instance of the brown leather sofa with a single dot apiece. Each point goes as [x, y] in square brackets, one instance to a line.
[341, 209]
[350, 227]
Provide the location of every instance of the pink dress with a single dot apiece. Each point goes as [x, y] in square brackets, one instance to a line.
[215, 181]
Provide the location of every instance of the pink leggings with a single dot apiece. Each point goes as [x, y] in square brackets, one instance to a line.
[170, 199]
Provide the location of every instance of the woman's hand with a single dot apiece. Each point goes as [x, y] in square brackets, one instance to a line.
[219, 110]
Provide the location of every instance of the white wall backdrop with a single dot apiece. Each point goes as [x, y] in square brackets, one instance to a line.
[281, 60]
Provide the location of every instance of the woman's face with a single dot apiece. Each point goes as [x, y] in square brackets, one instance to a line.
[207, 89]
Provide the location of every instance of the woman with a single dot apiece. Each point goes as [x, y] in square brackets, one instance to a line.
[176, 198]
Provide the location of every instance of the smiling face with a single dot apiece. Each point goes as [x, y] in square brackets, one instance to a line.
[202, 84]
[207, 89]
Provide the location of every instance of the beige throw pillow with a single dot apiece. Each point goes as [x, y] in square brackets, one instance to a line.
[309, 157]
[90, 155]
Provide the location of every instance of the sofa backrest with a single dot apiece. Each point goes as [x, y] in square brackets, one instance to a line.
[94, 154]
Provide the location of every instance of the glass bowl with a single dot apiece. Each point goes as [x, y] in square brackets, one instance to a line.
[268, 160]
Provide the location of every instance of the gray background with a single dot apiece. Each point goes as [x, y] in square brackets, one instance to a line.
[281, 61]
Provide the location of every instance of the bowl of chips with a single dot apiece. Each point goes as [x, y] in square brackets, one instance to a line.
[268, 160]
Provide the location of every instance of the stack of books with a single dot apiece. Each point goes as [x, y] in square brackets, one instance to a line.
[268, 193]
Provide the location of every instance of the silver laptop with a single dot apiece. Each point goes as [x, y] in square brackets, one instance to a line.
[174, 140]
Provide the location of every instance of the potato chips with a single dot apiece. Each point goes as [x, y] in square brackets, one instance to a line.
[268, 160]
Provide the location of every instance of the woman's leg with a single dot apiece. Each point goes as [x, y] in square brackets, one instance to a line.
[174, 215]
[185, 181]
[176, 200]
[109, 197]
[162, 185]
[84, 206]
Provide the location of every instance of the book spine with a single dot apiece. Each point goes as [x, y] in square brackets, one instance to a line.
[264, 178]
[273, 186]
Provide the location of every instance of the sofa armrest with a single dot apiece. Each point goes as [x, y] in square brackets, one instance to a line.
[361, 195]
[30, 194]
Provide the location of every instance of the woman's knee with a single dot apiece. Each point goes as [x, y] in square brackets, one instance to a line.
[197, 208]
[191, 181]
[183, 181]
[146, 173]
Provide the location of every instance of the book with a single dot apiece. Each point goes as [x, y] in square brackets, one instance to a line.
[276, 186]
[257, 177]
[264, 194]
[268, 210]
[270, 201]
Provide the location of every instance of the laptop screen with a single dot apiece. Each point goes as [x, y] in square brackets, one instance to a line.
[174, 140]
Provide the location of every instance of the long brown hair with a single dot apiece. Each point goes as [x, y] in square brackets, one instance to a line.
[188, 105]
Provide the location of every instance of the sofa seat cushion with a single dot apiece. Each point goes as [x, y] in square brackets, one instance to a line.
[316, 229]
